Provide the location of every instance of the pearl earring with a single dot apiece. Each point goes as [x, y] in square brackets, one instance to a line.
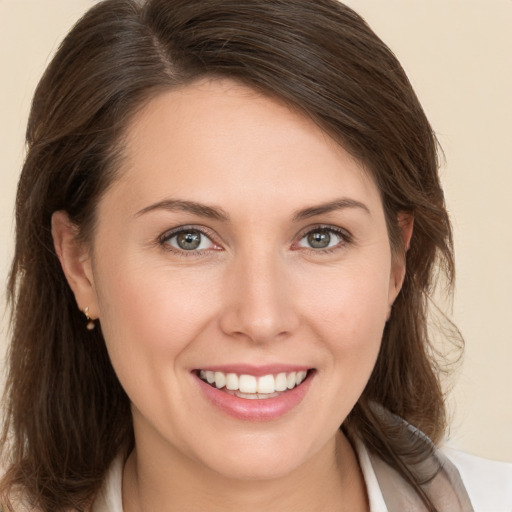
[90, 322]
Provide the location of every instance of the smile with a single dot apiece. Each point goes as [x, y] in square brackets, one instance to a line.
[251, 386]
[255, 393]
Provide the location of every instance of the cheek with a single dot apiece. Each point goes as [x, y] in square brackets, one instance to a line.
[149, 312]
[150, 318]
[348, 318]
[353, 300]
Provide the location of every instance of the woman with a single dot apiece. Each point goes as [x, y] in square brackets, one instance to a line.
[228, 223]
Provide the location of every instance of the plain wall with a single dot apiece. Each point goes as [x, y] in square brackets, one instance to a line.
[458, 55]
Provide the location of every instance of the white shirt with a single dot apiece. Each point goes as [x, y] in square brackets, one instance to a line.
[488, 483]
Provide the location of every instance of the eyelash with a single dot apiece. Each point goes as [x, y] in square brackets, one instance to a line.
[163, 240]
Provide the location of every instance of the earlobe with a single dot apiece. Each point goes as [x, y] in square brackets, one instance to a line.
[75, 261]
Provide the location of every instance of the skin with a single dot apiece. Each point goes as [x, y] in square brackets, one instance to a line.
[256, 292]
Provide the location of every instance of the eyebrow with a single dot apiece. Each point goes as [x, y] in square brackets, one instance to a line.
[337, 204]
[200, 209]
[213, 212]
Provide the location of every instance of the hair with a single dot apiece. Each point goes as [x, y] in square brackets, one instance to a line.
[66, 414]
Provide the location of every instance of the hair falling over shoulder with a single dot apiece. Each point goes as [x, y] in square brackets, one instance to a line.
[66, 415]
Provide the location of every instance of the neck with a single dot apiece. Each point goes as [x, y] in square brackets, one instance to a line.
[330, 480]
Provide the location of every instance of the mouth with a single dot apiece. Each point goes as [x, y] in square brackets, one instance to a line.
[253, 387]
[255, 392]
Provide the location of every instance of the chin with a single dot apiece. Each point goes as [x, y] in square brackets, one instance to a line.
[259, 458]
[264, 468]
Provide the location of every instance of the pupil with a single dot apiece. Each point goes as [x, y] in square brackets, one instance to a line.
[189, 241]
[319, 239]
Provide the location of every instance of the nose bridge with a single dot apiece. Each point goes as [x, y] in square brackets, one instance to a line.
[259, 304]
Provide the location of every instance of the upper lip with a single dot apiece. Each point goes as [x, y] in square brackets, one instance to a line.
[256, 370]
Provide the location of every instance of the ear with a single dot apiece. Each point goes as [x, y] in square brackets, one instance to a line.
[406, 225]
[405, 222]
[75, 260]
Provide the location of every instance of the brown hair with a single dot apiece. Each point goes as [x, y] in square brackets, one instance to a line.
[66, 414]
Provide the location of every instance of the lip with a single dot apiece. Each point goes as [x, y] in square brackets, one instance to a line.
[266, 409]
[257, 371]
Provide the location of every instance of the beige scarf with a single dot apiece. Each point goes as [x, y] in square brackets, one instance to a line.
[439, 478]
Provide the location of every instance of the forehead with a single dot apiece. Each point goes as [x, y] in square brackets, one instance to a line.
[218, 139]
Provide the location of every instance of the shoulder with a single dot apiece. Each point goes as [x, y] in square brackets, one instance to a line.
[488, 483]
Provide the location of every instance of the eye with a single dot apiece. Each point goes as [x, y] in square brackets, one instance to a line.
[188, 240]
[322, 238]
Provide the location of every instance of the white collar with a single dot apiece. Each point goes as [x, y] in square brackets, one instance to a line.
[375, 497]
[110, 496]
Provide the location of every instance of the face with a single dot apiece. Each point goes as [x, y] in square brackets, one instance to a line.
[241, 246]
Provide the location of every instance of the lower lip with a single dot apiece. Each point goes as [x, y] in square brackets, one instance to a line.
[264, 409]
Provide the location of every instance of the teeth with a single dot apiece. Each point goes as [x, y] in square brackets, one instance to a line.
[232, 381]
[220, 380]
[281, 382]
[300, 377]
[254, 387]
[266, 384]
[248, 384]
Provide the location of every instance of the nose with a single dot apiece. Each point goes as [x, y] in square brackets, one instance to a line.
[259, 303]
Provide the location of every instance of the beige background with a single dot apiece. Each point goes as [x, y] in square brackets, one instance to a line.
[458, 54]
